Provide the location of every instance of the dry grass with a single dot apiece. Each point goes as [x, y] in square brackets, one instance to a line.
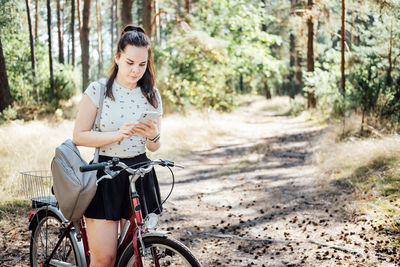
[370, 166]
[343, 158]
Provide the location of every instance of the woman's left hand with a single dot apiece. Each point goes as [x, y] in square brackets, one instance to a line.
[148, 129]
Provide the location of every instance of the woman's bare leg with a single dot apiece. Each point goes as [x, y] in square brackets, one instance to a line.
[102, 235]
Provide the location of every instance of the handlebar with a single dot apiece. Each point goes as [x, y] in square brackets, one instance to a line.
[92, 167]
[115, 162]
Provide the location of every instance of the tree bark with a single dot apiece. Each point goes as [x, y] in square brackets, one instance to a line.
[139, 12]
[5, 95]
[266, 90]
[187, 6]
[343, 31]
[118, 26]
[85, 43]
[126, 12]
[99, 39]
[389, 79]
[292, 58]
[72, 32]
[157, 20]
[60, 38]
[146, 18]
[49, 43]
[33, 59]
[36, 18]
[311, 99]
[298, 75]
[78, 10]
[112, 26]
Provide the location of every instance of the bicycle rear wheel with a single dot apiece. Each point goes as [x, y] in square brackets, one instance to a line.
[45, 235]
[167, 251]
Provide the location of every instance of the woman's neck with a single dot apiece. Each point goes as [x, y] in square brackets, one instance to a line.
[125, 84]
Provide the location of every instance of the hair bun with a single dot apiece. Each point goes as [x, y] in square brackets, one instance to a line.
[131, 28]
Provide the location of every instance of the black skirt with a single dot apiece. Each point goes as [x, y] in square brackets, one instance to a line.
[112, 200]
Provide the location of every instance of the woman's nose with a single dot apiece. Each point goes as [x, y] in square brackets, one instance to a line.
[135, 69]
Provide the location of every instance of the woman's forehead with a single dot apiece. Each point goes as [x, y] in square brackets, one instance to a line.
[134, 53]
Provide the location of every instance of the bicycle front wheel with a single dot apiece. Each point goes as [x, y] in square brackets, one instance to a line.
[45, 235]
[160, 251]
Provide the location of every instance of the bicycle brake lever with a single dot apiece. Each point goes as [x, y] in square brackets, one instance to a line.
[170, 163]
[164, 162]
[109, 174]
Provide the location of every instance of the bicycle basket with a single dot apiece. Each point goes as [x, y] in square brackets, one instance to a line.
[37, 187]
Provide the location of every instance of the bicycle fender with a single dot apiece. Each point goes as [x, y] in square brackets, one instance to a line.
[156, 233]
[42, 212]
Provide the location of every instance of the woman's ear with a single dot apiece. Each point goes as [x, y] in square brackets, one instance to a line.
[116, 58]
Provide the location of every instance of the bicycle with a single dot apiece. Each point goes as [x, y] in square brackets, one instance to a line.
[56, 242]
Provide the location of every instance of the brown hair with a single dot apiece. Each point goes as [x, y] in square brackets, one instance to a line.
[132, 35]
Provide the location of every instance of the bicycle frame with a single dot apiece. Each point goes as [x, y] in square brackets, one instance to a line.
[131, 232]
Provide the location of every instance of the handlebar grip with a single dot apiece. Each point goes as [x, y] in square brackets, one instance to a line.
[92, 167]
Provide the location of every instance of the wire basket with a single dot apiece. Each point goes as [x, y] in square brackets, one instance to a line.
[37, 187]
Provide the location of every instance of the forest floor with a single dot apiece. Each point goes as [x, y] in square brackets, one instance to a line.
[254, 198]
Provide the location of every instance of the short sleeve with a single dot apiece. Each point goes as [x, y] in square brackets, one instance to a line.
[93, 92]
[160, 107]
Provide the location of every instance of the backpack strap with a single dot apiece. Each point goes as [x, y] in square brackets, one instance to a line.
[96, 125]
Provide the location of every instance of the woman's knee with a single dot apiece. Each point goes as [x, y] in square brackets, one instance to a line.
[102, 260]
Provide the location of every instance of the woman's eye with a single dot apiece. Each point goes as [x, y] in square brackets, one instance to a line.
[129, 63]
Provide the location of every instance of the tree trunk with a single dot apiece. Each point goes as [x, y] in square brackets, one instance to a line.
[266, 90]
[33, 59]
[60, 38]
[389, 79]
[157, 20]
[118, 26]
[85, 43]
[343, 31]
[72, 30]
[187, 6]
[126, 12]
[139, 12]
[147, 10]
[112, 26]
[49, 40]
[36, 18]
[78, 10]
[311, 99]
[99, 39]
[5, 95]
[241, 87]
[292, 58]
[298, 75]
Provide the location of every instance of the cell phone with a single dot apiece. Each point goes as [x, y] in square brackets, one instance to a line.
[149, 115]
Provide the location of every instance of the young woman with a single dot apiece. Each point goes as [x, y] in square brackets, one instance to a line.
[129, 91]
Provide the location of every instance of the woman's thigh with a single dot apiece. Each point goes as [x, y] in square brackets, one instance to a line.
[103, 238]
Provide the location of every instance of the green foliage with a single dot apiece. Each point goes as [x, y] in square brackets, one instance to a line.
[368, 84]
[8, 114]
[200, 64]
[28, 92]
[196, 72]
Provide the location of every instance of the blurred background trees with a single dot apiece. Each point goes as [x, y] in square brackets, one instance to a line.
[207, 52]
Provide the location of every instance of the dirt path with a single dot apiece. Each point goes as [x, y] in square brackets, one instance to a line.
[254, 199]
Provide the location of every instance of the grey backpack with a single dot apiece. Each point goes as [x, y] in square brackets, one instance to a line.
[74, 189]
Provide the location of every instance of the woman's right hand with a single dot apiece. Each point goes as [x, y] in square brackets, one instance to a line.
[125, 131]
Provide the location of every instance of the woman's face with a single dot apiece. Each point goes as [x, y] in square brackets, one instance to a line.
[132, 63]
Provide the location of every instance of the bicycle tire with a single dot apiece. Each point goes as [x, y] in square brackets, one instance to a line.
[44, 236]
[170, 251]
